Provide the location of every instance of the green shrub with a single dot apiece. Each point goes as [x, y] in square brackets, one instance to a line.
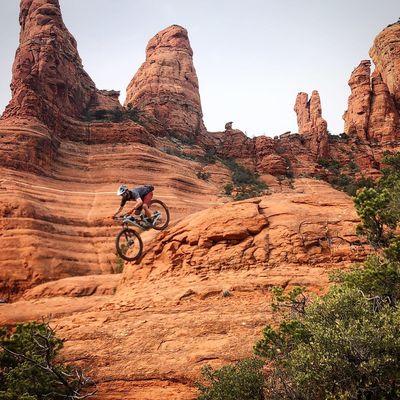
[116, 115]
[228, 189]
[241, 381]
[378, 221]
[29, 369]
[330, 164]
[209, 157]
[348, 184]
[245, 183]
[119, 264]
[343, 346]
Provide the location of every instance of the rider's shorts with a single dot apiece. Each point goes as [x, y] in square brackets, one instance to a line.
[147, 199]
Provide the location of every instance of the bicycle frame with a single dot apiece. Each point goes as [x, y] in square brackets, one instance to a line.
[131, 220]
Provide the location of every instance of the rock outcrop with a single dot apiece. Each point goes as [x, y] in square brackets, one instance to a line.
[166, 87]
[359, 104]
[311, 123]
[372, 113]
[385, 54]
[384, 121]
[49, 82]
[201, 293]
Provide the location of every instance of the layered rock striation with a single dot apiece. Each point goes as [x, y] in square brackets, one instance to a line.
[59, 173]
[201, 293]
[166, 87]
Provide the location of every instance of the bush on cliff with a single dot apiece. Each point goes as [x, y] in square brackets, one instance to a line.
[116, 115]
[241, 381]
[245, 183]
[379, 206]
[29, 369]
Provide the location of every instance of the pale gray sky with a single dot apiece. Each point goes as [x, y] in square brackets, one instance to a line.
[251, 56]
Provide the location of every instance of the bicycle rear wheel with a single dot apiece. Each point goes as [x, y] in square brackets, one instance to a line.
[162, 221]
[129, 244]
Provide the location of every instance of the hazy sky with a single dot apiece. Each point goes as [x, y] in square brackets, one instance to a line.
[252, 57]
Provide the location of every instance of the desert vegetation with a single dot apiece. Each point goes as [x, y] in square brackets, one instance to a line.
[245, 183]
[115, 115]
[342, 345]
[342, 178]
[30, 367]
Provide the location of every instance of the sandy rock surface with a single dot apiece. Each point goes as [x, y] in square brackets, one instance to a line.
[201, 292]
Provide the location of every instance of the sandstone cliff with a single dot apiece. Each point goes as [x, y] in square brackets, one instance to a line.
[166, 87]
[59, 173]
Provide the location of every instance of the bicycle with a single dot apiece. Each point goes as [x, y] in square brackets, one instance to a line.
[128, 242]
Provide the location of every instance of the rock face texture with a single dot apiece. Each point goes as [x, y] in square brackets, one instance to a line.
[60, 226]
[384, 121]
[372, 112]
[359, 106]
[201, 293]
[49, 81]
[166, 87]
[310, 122]
[385, 53]
[58, 174]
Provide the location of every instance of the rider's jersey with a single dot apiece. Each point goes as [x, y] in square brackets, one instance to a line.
[136, 193]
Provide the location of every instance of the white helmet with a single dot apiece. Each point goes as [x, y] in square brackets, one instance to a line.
[121, 190]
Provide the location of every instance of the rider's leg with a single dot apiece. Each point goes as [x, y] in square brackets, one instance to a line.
[146, 202]
[147, 211]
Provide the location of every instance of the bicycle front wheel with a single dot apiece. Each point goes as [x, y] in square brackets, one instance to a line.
[129, 244]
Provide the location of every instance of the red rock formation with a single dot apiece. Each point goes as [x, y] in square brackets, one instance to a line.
[173, 314]
[166, 87]
[310, 121]
[385, 53]
[359, 104]
[384, 121]
[49, 81]
[371, 113]
[59, 174]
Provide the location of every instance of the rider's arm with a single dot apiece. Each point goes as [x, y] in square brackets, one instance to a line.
[119, 210]
[139, 203]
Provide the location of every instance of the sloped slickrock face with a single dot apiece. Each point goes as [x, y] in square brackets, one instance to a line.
[59, 226]
[359, 104]
[166, 87]
[385, 53]
[307, 224]
[201, 293]
[310, 121]
[48, 76]
[384, 122]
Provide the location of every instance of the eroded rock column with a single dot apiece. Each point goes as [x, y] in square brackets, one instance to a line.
[166, 87]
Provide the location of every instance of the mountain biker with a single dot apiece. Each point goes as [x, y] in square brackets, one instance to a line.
[142, 195]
